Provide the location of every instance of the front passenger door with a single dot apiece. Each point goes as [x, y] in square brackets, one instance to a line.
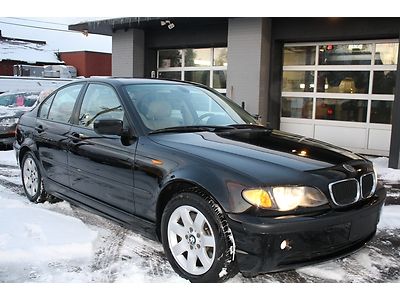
[101, 167]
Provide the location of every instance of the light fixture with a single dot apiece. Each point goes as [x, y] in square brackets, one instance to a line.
[169, 24]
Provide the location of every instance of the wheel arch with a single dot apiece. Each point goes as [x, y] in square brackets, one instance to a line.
[169, 190]
[223, 186]
[22, 153]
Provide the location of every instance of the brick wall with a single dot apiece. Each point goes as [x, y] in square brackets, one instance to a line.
[88, 63]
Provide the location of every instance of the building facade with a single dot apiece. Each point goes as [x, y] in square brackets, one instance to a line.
[88, 63]
[333, 79]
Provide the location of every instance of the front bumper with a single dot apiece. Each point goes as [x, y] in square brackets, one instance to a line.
[310, 239]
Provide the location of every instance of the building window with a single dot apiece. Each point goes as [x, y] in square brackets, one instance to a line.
[170, 58]
[207, 66]
[340, 81]
[298, 81]
[299, 55]
[341, 110]
[294, 107]
[345, 54]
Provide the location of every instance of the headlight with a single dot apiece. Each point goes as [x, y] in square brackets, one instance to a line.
[8, 121]
[284, 198]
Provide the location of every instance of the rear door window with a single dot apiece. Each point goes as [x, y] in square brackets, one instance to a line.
[63, 103]
[44, 108]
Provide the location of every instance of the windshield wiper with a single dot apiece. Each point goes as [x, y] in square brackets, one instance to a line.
[249, 126]
[194, 128]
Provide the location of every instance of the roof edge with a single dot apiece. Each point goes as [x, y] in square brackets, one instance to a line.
[107, 26]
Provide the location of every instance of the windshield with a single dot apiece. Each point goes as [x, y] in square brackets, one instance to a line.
[173, 105]
[18, 100]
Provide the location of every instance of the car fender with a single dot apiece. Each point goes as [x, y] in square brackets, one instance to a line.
[222, 185]
[28, 145]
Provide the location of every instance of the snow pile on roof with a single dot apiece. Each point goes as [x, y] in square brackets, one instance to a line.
[25, 51]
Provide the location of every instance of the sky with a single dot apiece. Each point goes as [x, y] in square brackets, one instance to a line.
[54, 30]
[26, 12]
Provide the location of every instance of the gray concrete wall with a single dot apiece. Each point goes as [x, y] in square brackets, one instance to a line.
[265, 71]
[122, 53]
[138, 53]
[248, 63]
[128, 53]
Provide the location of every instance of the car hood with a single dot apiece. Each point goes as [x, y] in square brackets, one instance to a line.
[248, 149]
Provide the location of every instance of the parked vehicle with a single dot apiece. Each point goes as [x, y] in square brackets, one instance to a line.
[12, 106]
[187, 166]
[22, 84]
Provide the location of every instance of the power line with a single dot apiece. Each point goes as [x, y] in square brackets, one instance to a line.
[45, 22]
[40, 27]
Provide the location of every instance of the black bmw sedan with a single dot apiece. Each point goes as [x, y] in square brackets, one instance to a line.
[181, 163]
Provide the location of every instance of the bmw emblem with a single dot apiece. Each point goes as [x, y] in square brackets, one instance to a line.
[349, 168]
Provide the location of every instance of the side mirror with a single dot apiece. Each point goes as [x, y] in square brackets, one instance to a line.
[108, 127]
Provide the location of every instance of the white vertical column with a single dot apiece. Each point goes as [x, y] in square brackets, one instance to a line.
[248, 63]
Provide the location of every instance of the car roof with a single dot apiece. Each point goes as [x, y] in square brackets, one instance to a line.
[126, 81]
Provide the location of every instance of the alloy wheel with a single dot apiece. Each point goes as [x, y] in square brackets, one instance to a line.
[31, 177]
[191, 240]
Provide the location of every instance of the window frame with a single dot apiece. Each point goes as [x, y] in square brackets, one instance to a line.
[49, 98]
[53, 95]
[211, 68]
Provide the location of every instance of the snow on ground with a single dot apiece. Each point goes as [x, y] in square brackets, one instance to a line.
[30, 233]
[390, 218]
[7, 158]
[385, 173]
[34, 237]
[63, 243]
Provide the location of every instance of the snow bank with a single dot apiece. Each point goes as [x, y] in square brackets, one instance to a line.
[34, 234]
[390, 218]
[8, 158]
[385, 173]
[29, 233]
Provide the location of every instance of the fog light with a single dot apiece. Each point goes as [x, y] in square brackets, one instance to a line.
[285, 245]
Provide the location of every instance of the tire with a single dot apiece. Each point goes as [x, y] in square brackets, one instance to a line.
[197, 239]
[32, 179]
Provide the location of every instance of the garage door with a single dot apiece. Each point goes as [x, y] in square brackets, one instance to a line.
[341, 92]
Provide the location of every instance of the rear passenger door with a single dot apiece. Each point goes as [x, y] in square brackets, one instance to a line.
[101, 166]
[51, 132]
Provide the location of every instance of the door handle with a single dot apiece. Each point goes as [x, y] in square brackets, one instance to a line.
[78, 136]
[39, 128]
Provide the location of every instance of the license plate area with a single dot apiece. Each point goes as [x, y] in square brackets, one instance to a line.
[363, 227]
